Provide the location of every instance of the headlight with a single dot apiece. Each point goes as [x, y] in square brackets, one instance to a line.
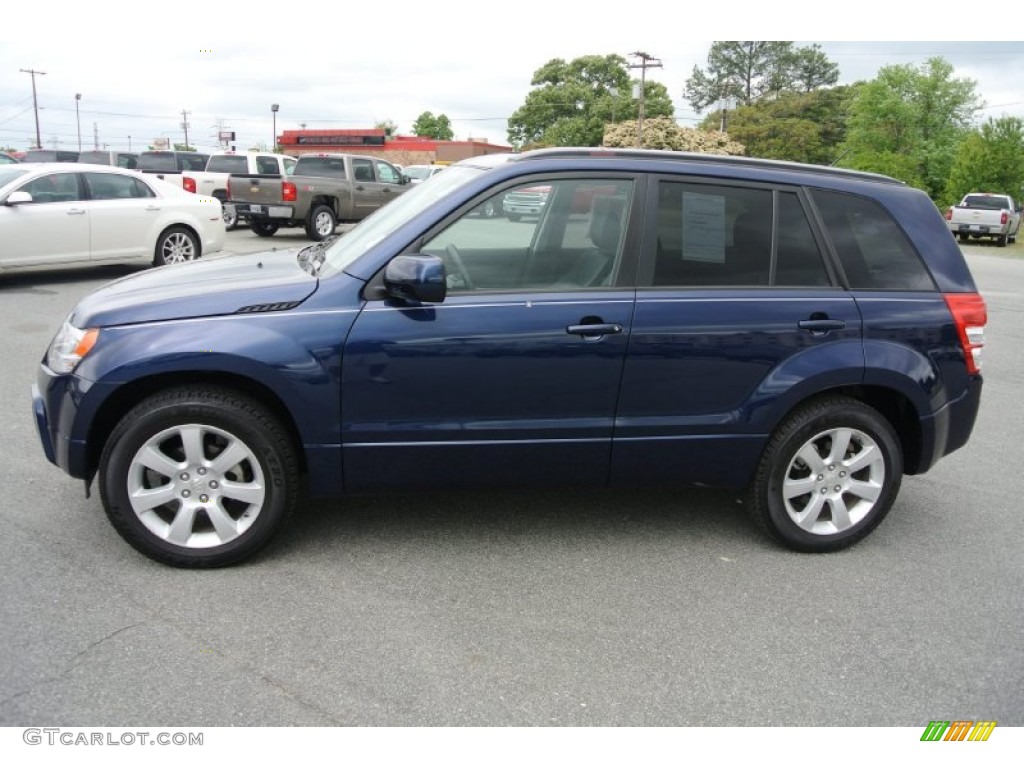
[69, 346]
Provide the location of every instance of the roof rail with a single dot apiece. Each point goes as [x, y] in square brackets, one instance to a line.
[699, 157]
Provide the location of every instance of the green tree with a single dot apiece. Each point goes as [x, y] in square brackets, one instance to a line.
[990, 159]
[801, 127]
[390, 127]
[571, 102]
[748, 70]
[434, 127]
[908, 123]
[183, 148]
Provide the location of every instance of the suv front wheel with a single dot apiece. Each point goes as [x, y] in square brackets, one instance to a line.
[828, 475]
[198, 477]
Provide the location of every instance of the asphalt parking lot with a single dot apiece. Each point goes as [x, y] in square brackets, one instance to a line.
[661, 608]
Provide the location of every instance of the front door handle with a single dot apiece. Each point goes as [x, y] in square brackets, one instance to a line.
[75, 211]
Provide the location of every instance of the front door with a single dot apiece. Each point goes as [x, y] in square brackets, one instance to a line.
[513, 379]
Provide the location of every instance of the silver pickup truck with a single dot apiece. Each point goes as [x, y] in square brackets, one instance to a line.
[323, 190]
[984, 214]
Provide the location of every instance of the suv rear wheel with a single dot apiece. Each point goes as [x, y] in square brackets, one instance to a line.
[828, 476]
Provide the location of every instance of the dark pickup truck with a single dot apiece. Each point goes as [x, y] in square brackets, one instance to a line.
[323, 190]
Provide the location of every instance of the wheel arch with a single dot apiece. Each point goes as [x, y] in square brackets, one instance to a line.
[178, 225]
[894, 406]
[134, 392]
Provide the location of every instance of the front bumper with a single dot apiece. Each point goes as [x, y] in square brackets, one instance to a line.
[55, 405]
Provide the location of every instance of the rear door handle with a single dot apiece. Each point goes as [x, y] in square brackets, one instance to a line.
[823, 325]
[75, 211]
[594, 330]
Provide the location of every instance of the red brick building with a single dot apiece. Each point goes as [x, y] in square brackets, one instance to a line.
[402, 150]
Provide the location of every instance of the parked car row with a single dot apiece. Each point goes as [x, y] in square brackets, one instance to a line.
[74, 213]
[96, 157]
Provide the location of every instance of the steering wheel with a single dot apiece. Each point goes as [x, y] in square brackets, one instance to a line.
[456, 260]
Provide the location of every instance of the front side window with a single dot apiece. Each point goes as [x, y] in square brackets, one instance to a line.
[54, 188]
[572, 240]
[289, 166]
[387, 173]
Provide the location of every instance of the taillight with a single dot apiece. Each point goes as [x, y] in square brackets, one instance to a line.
[289, 192]
[1004, 218]
[970, 315]
[188, 184]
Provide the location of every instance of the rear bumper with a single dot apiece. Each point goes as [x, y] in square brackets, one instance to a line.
[257, 212]
[950, 428]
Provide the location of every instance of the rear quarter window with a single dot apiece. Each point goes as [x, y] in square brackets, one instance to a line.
[874, 251]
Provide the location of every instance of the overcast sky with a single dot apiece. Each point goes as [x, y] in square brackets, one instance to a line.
[334, 67]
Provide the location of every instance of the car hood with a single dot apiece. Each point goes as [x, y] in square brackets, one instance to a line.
[218, 286]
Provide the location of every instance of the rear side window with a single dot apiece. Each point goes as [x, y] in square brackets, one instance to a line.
[113, 186]
[266, 165]
[873, 250]
[710, 235]
[332, 167]
[158, 161]
[188, 162]
[228, 164]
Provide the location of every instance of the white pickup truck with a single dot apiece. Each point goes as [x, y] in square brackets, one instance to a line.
[984, 214]
[214, 180]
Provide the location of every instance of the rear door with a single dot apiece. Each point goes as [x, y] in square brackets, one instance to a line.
[513, 378]
[736, 311]
[123, 211]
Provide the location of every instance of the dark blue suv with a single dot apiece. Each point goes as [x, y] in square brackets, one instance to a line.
[808, 333]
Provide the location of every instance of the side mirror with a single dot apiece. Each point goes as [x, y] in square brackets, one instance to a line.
[417, 277]
[404, 180]
[17, 198]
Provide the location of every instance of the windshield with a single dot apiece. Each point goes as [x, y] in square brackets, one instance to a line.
[10, 173]
[386, 220]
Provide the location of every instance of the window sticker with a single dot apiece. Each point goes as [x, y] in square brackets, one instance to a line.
[703, 228]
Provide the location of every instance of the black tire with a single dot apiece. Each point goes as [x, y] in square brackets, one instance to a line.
[489, 209]
[514, 217]
[1001, 241]
[264, 228]
[214, 515]
[321, 223]
[176, 245]
[871, 465]
[963, 238]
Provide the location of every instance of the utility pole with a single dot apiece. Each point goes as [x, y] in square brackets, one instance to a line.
[78, 122]
[95, 136]
[35, 103]
[646, 61]
[184, 124]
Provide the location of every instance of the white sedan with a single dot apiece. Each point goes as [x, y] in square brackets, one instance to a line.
[71, 213]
